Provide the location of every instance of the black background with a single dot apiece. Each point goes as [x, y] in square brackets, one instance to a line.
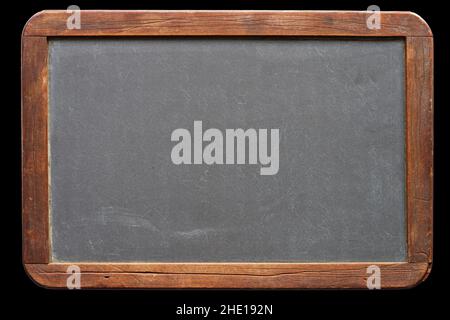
[24, 297]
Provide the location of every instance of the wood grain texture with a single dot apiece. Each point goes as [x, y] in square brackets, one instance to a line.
[225, 23]
[419, 148]
[229, 275]
[35, 208]
[419, 107]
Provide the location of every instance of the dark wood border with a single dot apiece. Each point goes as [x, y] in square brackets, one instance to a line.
[419, 148]
[35, 206]
[226, 23]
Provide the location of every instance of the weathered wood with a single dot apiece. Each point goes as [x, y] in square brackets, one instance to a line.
[419, 107]
[226, 23]
[35, 217]
[229, 275]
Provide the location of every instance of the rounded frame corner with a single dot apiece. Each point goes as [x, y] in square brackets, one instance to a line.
[34, 277]
[418, 23]
[420, 277]
[31, 22]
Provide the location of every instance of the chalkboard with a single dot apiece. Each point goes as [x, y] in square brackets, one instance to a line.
[227, 149]
[116, 194]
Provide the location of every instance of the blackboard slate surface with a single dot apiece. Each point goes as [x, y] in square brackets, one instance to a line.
[116, 195]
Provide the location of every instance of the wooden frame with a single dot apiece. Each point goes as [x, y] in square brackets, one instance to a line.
[419, 148]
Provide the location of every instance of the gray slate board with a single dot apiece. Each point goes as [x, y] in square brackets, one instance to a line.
[116, 195]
